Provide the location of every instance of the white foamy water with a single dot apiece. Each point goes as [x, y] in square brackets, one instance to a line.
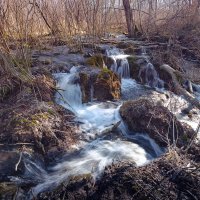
[149, 76]
[120, 63]
[92, 161]
[95, 117]
[97, 153]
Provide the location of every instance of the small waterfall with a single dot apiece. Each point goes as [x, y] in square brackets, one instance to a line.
[91, 93]
[69, 95]
[149, 76]
[196, 89]
[96, 150]
[120, 63]
[141, 139]
[143, 50]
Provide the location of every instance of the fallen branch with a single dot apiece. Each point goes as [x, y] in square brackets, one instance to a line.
[17, 164]
[177, 86]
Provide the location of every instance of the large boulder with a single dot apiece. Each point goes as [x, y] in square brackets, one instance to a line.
[144, 116]
[107, 86]
[87, 78]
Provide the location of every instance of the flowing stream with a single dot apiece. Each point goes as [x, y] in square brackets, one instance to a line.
[100, 146]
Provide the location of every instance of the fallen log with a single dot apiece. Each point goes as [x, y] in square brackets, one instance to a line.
[178, 87]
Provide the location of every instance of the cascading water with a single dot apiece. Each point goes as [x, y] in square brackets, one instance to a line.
[96, 150]
[92, 161]
[69, 95]
[149, 76]
[120, 63]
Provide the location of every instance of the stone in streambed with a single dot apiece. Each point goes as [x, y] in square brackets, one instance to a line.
[107, 86]
[142, 116]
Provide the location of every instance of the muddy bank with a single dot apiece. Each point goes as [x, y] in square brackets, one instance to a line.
[32, 123]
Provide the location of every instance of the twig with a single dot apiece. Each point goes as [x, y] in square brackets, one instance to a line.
[16, 166]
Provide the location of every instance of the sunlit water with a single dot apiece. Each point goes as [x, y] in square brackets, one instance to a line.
[94, 119]
[98, 152]
[120, 63]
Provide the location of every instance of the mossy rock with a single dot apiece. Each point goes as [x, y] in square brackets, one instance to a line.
[107, 86]
[108, 61]
[134, 67]
[105, 74]
[96, 61]
[85, 86]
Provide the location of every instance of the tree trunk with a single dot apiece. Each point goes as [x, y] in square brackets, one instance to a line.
[129, 17]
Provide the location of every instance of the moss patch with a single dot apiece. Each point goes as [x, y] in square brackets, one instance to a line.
[96, 61]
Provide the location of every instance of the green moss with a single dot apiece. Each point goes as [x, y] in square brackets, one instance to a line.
[105, 74]
[32, 121]
[105, 70]
[96, 61]
[50, 103]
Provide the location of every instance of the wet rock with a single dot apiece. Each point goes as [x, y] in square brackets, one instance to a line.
[134, 67]
[148, 75]
[107, 86]
[166, 77]
[96, 61]
[105, 83]
[87, 77]
[108, 61]
[85, 86]
[144, 117]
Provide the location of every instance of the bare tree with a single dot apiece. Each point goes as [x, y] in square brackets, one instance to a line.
[129, 17]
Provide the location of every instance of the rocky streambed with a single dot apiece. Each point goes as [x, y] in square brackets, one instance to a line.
[115, 117]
